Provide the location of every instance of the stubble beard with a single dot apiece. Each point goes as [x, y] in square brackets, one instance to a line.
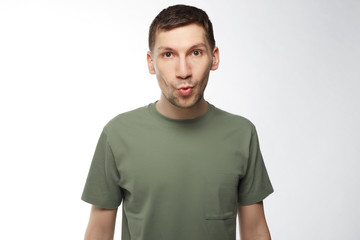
[175, 102]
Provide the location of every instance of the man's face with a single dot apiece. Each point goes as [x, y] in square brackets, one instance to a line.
[182, 59]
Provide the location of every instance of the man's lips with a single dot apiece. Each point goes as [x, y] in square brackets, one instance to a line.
[185, 91]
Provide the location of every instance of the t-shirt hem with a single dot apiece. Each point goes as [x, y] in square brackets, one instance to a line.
[98, 203]
[252, 199]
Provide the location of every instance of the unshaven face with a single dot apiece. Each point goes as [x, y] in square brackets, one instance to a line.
[182, 60]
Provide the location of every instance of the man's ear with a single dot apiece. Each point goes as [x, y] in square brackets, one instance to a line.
[215, 59]
[150, 63]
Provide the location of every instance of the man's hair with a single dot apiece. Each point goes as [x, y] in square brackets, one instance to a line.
[178, 16]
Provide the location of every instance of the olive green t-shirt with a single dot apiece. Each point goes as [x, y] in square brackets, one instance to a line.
[177, 179]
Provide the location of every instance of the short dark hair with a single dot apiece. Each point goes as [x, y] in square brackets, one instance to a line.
[178, 16]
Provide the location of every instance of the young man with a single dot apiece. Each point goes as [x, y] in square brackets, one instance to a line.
[183, 168]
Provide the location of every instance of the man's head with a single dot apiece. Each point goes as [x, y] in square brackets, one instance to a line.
[178, 16]
[182, 54]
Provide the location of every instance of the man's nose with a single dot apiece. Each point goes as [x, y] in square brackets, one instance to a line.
[183, 68]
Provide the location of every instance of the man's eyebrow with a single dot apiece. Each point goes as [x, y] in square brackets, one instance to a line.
[165, 48]
[198, 45]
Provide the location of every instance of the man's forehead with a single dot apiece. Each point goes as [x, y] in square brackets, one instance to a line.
[189, 35]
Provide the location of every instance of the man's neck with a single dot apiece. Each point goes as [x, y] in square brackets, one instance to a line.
[171, 111]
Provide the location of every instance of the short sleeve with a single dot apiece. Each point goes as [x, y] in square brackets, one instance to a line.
[102, 184]
[255, 185]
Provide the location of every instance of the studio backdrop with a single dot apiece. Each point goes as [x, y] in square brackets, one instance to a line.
[291, 67]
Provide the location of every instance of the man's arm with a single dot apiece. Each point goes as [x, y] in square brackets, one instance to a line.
[252, 222]
[101, 224]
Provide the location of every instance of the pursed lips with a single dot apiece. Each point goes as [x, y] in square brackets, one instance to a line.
[185, 87]
[185, 91]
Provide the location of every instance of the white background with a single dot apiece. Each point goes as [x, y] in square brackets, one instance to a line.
[291, 67]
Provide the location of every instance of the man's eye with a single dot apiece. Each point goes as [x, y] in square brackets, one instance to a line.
[167, 54]
[196, 53]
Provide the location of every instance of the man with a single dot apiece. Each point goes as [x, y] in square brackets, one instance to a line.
[183, 168]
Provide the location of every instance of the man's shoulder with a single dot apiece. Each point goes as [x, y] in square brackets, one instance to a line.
[128, 118]
[233, 119]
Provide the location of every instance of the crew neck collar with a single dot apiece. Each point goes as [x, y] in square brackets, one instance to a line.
[155, 113]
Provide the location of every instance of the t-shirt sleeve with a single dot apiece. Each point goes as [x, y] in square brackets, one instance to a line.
[102, 185]
[255, 185]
